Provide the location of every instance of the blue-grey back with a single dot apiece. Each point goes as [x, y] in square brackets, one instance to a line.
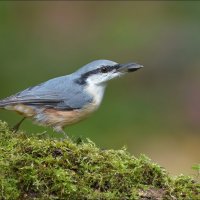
[61, 93]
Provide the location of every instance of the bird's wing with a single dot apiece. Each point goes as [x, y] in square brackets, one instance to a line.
[60, 93]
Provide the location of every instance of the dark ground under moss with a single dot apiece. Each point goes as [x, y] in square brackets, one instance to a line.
[35, 167]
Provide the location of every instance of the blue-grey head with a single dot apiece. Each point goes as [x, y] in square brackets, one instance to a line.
[99, 72]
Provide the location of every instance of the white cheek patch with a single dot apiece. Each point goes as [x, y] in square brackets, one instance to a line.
[102, 78]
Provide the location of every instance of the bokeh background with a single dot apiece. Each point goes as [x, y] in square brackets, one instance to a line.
[154, 111]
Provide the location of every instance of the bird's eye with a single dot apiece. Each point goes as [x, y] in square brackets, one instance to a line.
[104, 69]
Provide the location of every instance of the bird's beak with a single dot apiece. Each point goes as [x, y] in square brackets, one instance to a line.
[129, 67]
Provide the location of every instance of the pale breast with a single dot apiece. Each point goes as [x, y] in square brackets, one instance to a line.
[55, 118]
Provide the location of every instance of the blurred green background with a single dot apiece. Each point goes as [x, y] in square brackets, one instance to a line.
[155, 111]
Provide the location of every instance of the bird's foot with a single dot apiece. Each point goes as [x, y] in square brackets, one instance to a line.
[15, 128]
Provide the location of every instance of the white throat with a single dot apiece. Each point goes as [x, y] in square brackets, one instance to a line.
[97, 92]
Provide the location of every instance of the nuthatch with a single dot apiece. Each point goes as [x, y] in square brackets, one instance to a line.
[67, 99]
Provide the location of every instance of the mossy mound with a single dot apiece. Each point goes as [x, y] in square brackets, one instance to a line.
[34, 167]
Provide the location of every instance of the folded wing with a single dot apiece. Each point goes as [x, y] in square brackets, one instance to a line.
[59, 93]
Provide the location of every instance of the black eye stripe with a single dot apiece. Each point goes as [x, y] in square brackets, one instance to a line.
[82, 79]
[104, 69]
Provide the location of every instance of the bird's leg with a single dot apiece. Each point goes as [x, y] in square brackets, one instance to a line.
[65, 134]
[16, 127]
[59, 129]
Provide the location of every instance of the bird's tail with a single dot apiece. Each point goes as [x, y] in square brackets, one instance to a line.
[3, 104]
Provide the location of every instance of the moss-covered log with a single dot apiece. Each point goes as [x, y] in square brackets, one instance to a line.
[34, 167]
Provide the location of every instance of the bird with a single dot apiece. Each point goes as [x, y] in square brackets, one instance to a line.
[68, 99]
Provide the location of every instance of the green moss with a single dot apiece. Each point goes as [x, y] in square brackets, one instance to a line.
[34, 167]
